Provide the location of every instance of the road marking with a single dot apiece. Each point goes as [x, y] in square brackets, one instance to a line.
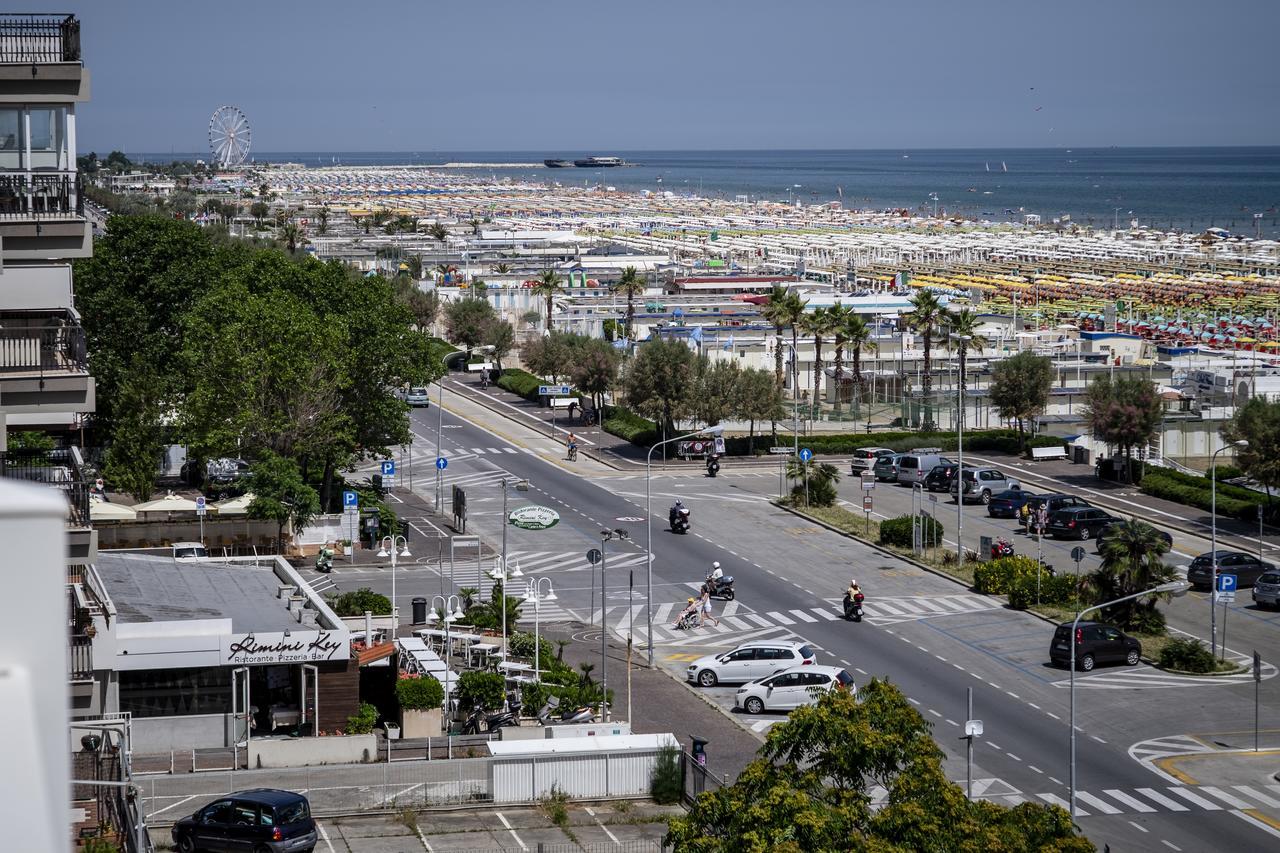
[507, 824]
[393, 797]
[1138, 827]
[1101, 805]
[1230, 799]
[1055, 800]
[952, 722]
[1133, 803]
[1014, 757]
[935, 713]
[1257, 795]
[174, 805]
[324, 836]
[1170, 844]
[775, 615]
[805, 616]
[1194, 799]
[1037, 769]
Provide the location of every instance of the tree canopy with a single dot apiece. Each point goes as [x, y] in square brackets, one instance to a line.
[1258, 422]
[659, 381]
[1020, 388]
[1124, 412]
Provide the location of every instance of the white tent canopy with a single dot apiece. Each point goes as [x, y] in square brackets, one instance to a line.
[168, 503]
[234, 506]
[100, 510]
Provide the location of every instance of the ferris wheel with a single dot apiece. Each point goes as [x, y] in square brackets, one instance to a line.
[229, 137]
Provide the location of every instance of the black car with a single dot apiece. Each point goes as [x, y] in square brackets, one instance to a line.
[939, 477]
[1009, 503]
[1080, 522]
[1246, 567]
[1051, 504]
[1096, 643]
[263, 819]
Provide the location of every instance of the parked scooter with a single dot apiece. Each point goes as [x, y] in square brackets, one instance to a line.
[472, 725]
[713, 464]
[570, 715]
[1001, 548]
[509, 717]
[324, 560]
[679, 518]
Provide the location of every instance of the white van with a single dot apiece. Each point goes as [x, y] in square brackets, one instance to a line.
[915, 465]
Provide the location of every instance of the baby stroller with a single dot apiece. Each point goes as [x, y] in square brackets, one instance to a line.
[688, 617]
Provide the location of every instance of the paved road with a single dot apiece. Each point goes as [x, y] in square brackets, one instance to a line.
[931, 637]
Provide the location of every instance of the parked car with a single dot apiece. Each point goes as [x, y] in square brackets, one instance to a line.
[1096, 643]
[800, 685]
[1080, 522]
[981, 484]
[217, 474]
[749, 662]
[1266, 590]
[865, 457]
[886, 467]
[418, 396]
[939, 479]
[262, 819]
[1243, 565]
[189, 552]
[1051, 504]
[915, 465]
[1007, 504]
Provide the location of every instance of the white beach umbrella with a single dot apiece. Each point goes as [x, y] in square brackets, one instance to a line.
[100, 510]
[168, 503]
[234, 506]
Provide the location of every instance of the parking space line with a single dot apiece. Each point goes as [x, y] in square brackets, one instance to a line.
[324, 836]
[507, 824]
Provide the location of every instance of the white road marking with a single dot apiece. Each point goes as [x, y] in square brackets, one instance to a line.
[507, 824]
[1133, 803]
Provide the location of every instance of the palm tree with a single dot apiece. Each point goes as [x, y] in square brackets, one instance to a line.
[818, 323]
[414, 263]
[858, 337]
[927, 314]
[963, 326]
[547, 287]
[630, 285]
[291, 234]
[775, 312]
[839, 322]
[438, 231]
[323, 216]
[502, 269]
[1132, 560]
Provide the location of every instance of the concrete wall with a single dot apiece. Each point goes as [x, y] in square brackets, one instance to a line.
[202, 731]
[308, 751]
[217, 531]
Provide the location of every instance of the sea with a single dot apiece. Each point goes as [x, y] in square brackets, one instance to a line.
[1184, 189]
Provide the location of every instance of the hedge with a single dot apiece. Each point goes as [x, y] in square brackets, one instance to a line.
[1054, 589]
[998, 576]
[420, 694]
[486, 689]
[1187, 654]
[985, 441]
[522, 383]
[897, 531]
[629, 426]
[1233, 501]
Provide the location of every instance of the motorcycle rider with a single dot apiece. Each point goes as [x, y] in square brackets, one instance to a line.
[853, 596]
[714, 576]
[671, 514]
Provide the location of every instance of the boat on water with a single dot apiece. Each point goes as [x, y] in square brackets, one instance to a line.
[599, 162]
[557, 164]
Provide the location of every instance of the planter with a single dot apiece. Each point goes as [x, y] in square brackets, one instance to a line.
[310, 751]
[418, 724]
[392, 730]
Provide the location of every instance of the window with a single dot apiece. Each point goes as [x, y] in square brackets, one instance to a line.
[293, 812]
[742, 655]
[1110, 634]
[816, 679]
[10, 138]
[219, 812]
[176, 692]
[244, 814]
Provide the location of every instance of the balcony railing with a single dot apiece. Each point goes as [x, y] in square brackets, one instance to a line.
[81, 657]
[27, 39]
[40, 195]
[59, 469]
[41, 343]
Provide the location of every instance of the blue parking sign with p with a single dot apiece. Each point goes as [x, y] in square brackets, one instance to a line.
[388, 468]
[350, 499]
[1227, 583]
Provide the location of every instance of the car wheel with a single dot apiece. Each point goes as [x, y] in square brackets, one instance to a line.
[707, 678]
[1084, 533]
[1132, 657]
[986, 496]
[1086, 663]
[186, 845]
[754, 705]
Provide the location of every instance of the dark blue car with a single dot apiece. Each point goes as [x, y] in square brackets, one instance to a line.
[1008, 504]
[263, 819]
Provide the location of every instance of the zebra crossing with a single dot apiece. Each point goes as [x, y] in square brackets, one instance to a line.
[1169, 798]
[1148, 678]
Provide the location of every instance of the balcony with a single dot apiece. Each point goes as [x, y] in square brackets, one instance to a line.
[41, 343]
[36, 39]
[57, 469]
[81, 661]
[27, 196]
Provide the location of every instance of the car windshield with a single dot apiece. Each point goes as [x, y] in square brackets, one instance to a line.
[292, 812]
[418, 392]
[190, 552]
[844, 678]
[1269, 577]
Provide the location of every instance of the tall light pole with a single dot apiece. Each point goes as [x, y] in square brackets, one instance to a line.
[964, 346]
[606, 536]
[534, 595]
[648, 531]
[440, 447]
[521, 486]
[1213, 546]
[388, 548]
[450, 616]
[501, 575]
[1174, 587]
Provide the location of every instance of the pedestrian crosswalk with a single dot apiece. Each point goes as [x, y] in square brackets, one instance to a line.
[1147, 678]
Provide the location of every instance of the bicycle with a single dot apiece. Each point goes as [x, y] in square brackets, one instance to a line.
[573, 453]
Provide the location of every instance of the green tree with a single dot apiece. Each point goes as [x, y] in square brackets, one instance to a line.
[1123, 412]
[963, 328]
[118, 163]
[137, 436]
[821, 478]
[356, 602]
[660, 380]
[1020, 388]
[1258, 422]
[550, 356]
[259, 210]
[807, 791]
[501, 337]
[757, 397]
[548, 287]
[927, 316]
[778, 311]
[858, 337]
[819, 323]
[182, 203]
[1132, 560]
[630, 285]
[290, 234]
[716, 392]
[322, 217]
[438, 231]
[467, 321]
[423, 306]
[280, 495]
[595, 369]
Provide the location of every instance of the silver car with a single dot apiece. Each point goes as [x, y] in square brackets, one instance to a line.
[1266, 590]
[980, 484]
[886, 468]
[418, 397]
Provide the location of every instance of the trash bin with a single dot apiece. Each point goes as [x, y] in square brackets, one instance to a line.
[1081, 455]
[419, 611]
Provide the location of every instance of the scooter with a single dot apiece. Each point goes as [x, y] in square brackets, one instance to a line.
[569, 716]
[324, 560]
[472, 725]
[722, 588]
[1001, 548]
[679, 519]
[713, 465]
[853, 607]
[509, 717]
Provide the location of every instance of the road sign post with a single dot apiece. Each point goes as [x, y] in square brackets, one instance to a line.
[866, 509]
[1257, 682]
[1077, 554]
[1226, 593]
[351, 514]
[201, 509]
[388, 472]
[593, 557]
[805, 455]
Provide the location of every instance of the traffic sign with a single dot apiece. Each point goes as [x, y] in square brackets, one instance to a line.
[973, 728]
[805, 454]
[1224, 597]
[1077, 553]
[350, 501]
[442, 463]
[201, 506]
[866, 502]
[555, 390]
[1226, 583]
[868, 481]
[593, 556]
[388, 467]
[782, 450]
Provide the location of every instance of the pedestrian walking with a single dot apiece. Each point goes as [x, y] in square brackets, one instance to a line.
[706, 607]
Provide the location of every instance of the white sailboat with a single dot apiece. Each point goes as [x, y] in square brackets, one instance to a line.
[1003, 167]
[988, 167]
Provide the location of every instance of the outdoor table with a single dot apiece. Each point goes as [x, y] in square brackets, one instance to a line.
[482, 650]
[515, 667]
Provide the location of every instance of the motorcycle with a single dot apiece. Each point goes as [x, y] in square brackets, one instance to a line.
[509, 717]
[721, 587]
[713, 465]
[324, 560]
[546, 716]
[472, 725]
[853, 607]
[679, 519]
[1001, 548]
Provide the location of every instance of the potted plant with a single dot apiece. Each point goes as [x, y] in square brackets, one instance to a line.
[421, 699]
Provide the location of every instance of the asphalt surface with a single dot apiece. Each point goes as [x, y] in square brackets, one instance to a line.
[786, 567]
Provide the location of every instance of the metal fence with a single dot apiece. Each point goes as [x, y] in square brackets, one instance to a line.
[27, 195]
[59, 469]
[39, 38]
[696, 778]
[629, 846]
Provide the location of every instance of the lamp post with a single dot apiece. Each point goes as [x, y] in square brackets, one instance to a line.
[648, 531]
[964, 346]
[501, 575]
[1174, 587]
[1213, 546]
[533, 594]
[450, 617]
[607, 536]
[388, 548]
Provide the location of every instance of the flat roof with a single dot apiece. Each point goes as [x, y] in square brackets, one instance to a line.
[152, 588]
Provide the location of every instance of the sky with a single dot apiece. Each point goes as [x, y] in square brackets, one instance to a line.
[604, 76]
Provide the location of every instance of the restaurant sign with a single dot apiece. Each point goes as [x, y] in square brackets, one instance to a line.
[534, 517]
[276, 648]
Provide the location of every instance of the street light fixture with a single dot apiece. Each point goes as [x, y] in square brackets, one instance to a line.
[964, 344]
[607, 536]
[1176, 588]
[388, 548]
[1213, 547]
[533, 596]
[449, 618]
[501, 575]
[648, 532]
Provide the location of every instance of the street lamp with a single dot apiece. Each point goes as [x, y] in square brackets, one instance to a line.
[501, 575]
[533, 596]
[1173, 587]
[648, 531]
[1213, 547]
[450, 617]
[606, 536]
[964, 345]
[388, 548]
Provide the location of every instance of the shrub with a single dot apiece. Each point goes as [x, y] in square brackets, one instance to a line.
[821, 493]
[420, 694]
[481, 688]
[897, 531]
[355, 603]
[629, 426]
[363, 720]
[1195, 491]
[1059, 590]
[521, 382]
[667, 786]
[1187, 654]
[521, 645]
[997, 577]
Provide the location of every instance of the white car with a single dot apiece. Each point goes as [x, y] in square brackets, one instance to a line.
[865, 457]
[418, 397]
[189, 552]
[800, 685]
[749, 662]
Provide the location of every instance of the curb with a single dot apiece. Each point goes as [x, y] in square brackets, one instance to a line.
[1237, 671]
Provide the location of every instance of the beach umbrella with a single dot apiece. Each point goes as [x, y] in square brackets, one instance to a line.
[100, 510]
[168, 503]
[235, 506]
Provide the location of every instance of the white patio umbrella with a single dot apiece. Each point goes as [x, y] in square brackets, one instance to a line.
[100, 510]
[168, 503]
[234, 506]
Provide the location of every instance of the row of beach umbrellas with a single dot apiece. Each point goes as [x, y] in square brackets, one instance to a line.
[101, 510]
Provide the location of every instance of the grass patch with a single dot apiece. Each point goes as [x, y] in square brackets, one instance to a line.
[409, 818]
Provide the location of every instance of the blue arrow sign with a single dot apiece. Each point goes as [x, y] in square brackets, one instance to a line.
[442, 463]
[350, 499]
[388, 468]
[805, 454]
[1227, 583]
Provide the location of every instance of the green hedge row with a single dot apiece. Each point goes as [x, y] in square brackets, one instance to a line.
[986, 441]
[522, 383]
[627, 425]
[1059, 589]
[1190, 490]
[1016, 577]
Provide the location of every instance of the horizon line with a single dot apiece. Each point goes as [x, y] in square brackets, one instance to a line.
[173, 150]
